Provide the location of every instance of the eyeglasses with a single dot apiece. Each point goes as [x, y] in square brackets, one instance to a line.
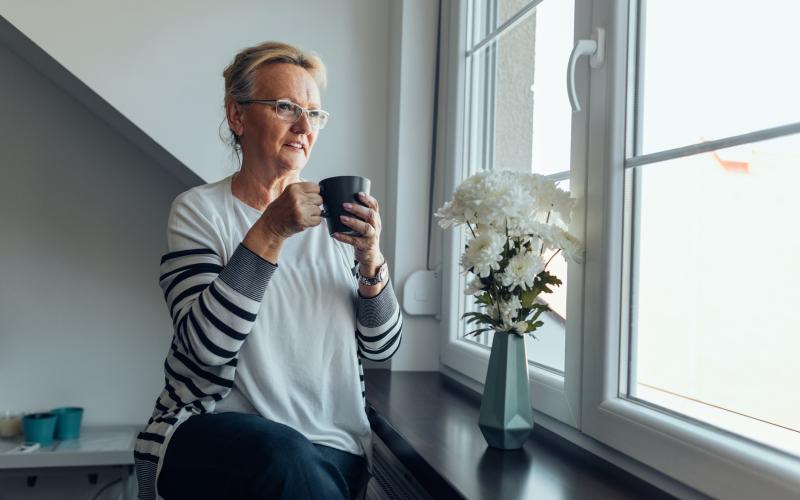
[291, 112]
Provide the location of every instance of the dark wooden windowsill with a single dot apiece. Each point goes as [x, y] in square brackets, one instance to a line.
[430, 423]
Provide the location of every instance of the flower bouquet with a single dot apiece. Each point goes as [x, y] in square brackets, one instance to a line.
[516, 220]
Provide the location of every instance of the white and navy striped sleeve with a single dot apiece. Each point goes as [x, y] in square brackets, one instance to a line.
[213, 305]
[379, 323]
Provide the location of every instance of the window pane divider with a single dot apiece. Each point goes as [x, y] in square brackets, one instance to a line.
[704, 147]
[558, 176]
[506, 26]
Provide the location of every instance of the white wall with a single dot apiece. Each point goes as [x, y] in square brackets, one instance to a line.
[412, 82]
[82, 220]
[160, 64]
[82, 225]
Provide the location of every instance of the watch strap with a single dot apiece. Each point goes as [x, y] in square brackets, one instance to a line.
[373, 280]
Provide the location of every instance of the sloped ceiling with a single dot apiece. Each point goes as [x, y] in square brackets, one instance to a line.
[61, 76]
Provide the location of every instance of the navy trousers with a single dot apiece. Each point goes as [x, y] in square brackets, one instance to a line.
[241, 456]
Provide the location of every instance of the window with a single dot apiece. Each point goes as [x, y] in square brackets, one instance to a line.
[516, 116]
[713, 271]
[519, 119]
[678, 335]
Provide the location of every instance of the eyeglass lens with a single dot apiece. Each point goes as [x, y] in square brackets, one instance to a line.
[290, 111]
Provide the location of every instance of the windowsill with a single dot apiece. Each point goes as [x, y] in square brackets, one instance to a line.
[430, 422]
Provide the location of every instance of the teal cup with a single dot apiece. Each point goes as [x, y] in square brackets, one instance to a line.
[39, 427]
[68, 423]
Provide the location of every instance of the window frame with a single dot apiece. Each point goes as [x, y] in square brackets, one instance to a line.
[555, 395]
[708, 460]
[588, 397]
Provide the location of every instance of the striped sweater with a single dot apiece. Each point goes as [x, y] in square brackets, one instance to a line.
[242, 324]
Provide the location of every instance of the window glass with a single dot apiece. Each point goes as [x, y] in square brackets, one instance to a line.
[715, 333]
[518, 118]
[716, 68]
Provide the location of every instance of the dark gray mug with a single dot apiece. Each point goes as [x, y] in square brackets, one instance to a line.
[338, 190]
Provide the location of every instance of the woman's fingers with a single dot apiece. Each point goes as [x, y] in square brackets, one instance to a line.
[313, 199]
[308, 187]
[366, 229]
[367, 221]
[368, 214]
[356, 242]
[360, 211]
[369, 201]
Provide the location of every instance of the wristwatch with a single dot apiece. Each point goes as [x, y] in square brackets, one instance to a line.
[383, 272]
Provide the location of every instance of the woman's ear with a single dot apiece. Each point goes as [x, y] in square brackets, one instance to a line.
[235, 115]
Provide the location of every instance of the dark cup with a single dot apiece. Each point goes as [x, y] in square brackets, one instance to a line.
[338, 190]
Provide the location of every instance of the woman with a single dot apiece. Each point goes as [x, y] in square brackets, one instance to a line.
[264, 394]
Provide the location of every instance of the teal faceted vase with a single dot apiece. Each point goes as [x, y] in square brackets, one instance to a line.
[506, 418]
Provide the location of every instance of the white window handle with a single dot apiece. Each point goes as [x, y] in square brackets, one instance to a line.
[594, 48]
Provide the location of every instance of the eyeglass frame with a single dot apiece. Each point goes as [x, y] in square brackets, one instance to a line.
[274, 104]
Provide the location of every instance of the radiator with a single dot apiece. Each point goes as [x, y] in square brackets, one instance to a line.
[391, 480]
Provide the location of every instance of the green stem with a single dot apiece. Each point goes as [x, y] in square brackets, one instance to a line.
[547, 220]
[551, 258]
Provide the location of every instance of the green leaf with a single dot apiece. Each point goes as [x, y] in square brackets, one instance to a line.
[528, 297]
[485, 299]
[540, 309]
[476, 317]
[478, 331]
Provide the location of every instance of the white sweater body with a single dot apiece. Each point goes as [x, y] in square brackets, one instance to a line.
[299, 365]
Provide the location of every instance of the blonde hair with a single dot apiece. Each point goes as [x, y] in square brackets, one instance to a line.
[240, 74]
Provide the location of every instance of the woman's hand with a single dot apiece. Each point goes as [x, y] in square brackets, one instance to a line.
[367, 221]
[296, 209]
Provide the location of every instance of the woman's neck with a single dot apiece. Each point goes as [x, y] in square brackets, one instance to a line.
[258, 188]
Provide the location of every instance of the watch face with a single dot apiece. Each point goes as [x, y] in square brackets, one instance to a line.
[383, 271]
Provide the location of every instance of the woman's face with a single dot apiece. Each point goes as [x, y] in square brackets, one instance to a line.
[268, 141]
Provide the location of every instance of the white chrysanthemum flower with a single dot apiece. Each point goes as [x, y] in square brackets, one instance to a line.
[549, 237]
[517, 205]
[563, 207]
[483, 254]
[549, 199]
[449, 215]
[558, 239]
[505, 201]
[522, 270]
[539, 233]
[481, 228]
[506, 198]
[520, 327]
[508, 310]
[572, 248]
[474, 287]
[464, 206]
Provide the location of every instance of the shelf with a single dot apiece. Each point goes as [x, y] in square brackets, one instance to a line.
[97, 446]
